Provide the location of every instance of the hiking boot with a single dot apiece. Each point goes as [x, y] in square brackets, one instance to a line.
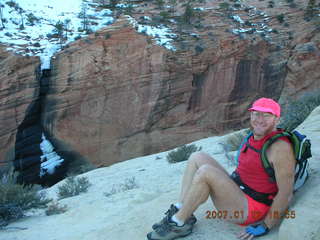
[169, 230]
[172, 211]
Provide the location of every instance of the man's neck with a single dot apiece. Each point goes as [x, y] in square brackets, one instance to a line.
[259, 137]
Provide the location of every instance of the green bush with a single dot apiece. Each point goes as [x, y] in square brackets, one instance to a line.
[182, 153]
[164, 16]
[280, 18]
[31, 19]
[188, 14]
[55, 208]
[298, 110]
[235, 139]
[129, 183]
[224, 6]
[73, 186]
[271, 4]
[107, 36]
[160, 4]
[16, 198]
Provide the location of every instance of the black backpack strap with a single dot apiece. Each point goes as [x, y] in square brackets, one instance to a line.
[252, 148]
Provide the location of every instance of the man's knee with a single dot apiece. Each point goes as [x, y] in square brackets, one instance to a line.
[205, 171]
[199, 158]
[210, 174]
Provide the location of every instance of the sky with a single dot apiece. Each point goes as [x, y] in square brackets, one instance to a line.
[35, 40]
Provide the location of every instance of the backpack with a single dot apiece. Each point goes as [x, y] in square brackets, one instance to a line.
[302, 151]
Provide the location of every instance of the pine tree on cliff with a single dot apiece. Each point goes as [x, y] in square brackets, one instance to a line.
[66, 27]
[84, 16]
[21, 12]
[173, 5]
[310, 11]
[59, 29]
[113, 3]
[1, 15]
[188, 13]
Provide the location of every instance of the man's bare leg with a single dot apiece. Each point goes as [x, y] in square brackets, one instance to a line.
[204, 176]
[195, 161]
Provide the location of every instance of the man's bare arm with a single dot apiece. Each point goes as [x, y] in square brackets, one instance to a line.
[281, 156]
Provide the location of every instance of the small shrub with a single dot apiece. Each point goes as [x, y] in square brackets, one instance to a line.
[293, 5]
[160, 4]
[77, 37]
[248, 23]
[73, 186]
[8, 34]
[31, 19]
[290, 35]
[15, 198]
[149, 40]
[182, 153]
[107, 36]
[111, 192]
[234, 140]
[36, 44]
[310, 11]
[232, 143]
[280, 18]
[271, 4]
[10, 213]
[298, 110]
[129, 183]
[224, 6]
[164, 16]
[11, 4]
[237, 5]
[55, 208]
[188, 14]
[199, 49]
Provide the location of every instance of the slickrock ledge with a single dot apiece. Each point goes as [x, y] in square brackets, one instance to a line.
[131, 213]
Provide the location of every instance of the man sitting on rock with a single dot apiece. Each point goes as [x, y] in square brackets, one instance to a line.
[258, 203]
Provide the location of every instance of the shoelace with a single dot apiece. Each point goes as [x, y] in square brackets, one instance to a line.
[171, 210]
[164, 227]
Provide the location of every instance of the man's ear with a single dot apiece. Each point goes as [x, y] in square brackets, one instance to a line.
[277, 120]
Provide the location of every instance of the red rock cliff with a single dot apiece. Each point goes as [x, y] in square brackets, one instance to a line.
[19, 88]
[122, 97]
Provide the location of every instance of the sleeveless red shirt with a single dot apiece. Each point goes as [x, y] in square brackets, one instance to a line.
[250, 168]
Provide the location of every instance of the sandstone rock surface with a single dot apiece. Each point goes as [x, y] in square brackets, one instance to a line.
[19, 89]
[104, 214]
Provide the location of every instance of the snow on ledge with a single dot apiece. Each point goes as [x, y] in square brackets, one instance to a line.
[162, 34]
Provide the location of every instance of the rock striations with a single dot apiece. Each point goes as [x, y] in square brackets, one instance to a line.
[19, 90]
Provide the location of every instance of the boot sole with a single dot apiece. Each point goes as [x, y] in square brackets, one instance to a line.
[180, 236]
[155, 226]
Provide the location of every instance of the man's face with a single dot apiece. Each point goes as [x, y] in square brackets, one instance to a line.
[263, 123]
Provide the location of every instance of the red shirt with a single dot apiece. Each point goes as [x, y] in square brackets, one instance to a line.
[250, 168]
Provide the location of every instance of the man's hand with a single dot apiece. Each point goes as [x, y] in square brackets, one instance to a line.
[252, 231]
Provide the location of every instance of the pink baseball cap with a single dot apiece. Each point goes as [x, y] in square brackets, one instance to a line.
[266, 105]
